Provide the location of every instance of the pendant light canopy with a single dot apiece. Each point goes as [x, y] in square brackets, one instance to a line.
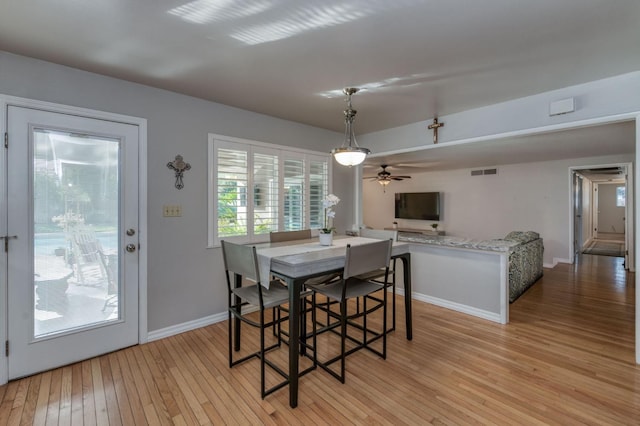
[349, 154]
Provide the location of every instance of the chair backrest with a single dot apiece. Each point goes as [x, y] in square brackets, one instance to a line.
[367, 257]
[278, 237]
[85, 244]
[241, 259]
[379, 234]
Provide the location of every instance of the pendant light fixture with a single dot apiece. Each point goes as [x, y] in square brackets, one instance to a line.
[349, 154]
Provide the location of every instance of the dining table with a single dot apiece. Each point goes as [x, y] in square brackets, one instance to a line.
[295, 262]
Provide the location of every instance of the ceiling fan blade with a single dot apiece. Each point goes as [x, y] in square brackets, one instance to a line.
[401, 176]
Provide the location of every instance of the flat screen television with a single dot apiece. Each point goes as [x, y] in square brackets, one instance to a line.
[418, 205]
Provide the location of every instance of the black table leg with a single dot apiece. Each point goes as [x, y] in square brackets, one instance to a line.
[295, 287]
[236, 330]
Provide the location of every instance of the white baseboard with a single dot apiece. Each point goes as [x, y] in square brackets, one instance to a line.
[212, 319]
[186, 326]
[585, 244]
[458, 307]
[556, 260]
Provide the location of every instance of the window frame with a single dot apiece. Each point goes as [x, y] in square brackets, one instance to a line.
[216, 141]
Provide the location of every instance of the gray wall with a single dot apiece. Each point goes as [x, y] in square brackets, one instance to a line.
[520, 197]
[185, 279]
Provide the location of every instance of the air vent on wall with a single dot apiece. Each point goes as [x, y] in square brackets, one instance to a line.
[484, 172]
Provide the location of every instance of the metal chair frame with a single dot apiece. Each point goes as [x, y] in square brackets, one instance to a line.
[242, 261]
[359, 260]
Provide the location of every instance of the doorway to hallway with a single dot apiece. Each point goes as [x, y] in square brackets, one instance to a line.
[601, 205]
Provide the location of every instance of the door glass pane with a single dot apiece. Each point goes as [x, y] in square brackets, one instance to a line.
[75, 223]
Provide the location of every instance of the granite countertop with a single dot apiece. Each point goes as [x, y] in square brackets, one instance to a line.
[458, 242]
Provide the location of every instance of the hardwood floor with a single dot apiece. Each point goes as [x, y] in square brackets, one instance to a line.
[567, 357]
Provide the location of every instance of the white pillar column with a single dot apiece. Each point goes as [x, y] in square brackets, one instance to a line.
[357, 198]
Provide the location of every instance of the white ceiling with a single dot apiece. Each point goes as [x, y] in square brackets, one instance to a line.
[414, 59]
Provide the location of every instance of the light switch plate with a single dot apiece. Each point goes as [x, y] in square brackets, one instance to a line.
[172, 210]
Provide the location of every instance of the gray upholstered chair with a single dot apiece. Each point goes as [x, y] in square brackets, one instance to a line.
[359, 260]
[241, 261]
[384, 234]
[280, 236]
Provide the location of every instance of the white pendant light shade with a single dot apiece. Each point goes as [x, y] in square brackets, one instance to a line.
[349, 154]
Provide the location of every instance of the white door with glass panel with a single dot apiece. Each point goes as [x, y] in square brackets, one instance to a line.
[72, 223]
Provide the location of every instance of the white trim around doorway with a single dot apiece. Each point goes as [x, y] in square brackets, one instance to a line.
[630, 237]
[5, 102]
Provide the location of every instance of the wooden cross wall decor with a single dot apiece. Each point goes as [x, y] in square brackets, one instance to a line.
[435, 127]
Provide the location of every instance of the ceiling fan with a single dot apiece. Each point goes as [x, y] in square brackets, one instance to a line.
[384, 177]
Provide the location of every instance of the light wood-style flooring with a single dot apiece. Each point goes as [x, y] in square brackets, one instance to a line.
[567, 357]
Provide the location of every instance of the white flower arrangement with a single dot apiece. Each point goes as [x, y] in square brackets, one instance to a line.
[328, 203]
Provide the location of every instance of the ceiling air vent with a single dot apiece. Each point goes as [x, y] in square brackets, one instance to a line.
[484, 172]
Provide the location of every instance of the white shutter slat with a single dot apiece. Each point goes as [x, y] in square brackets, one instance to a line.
[318, 190]
[294, 181]
[265, 193]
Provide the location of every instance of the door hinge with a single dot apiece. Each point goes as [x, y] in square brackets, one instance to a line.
[6, 348]
[6, 140]
[6, 241]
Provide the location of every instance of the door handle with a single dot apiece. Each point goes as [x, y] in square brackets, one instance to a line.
[130, 248]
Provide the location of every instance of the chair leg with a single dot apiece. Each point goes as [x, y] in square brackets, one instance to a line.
[364, 322]
[279, 326]
[343, 338]
[315, 329]
[393, 307]
[393, 286]
[276, 331]
[262, 363]
[230, 321]
[384, 324]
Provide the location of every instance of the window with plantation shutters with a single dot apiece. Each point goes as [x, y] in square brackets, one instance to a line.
[231, 192]
[265, 192]
[256, 188]
[294, 194]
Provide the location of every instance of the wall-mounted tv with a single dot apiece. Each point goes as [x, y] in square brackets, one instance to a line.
[418, 205]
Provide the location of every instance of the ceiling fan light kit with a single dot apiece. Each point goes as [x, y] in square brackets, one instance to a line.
[350, 154]
[384, 178]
